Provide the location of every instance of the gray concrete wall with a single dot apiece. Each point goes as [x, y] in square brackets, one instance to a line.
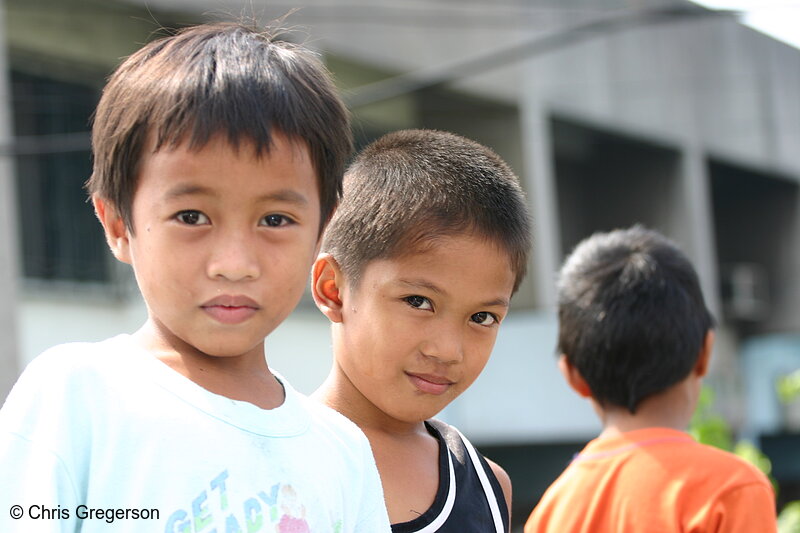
[77, 37]
[700, 87]
[701, 83]
[9, 256]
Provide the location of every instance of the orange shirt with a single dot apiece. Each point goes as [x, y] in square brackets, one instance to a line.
[655, 480]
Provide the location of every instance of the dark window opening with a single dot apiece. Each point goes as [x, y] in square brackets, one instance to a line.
[59, 235]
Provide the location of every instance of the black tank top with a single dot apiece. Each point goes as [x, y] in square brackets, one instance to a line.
[469, 498]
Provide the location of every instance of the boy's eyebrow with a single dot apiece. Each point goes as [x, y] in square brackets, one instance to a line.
[187, 189]
[424, 284]
[502, 302]
[421, 283]
[282, 195]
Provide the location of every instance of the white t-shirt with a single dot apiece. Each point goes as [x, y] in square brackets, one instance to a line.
[92, 429]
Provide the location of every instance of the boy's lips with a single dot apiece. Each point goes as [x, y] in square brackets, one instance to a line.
[230, 309]
[430, 383]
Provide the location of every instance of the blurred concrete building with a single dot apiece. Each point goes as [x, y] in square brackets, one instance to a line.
[612, 112]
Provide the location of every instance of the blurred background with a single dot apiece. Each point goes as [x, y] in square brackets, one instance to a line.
[663, 112]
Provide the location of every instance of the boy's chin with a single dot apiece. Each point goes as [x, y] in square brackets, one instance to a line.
[218, 346]
[230, 351]
[414, 416]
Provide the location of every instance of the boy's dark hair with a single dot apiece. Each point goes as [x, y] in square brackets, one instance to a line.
[632, 319]
[211, 79]
[411, 187]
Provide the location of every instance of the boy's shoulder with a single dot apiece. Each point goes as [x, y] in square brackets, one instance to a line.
[673, 481]
[451, 437]
[76, 375]
[703, 458]
[73, 361]
[61, 385]
[736, 469]
[675, 453]
[78, 352]
[480, 480]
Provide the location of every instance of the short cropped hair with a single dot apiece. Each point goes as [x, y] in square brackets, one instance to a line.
[411, 187]
[632, 319]
[220, 78]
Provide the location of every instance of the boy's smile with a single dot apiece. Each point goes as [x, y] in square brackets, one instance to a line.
[222, 244]
[418, 329]
[435, 384]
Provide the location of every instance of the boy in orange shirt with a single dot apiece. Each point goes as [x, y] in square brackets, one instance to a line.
[636, 338]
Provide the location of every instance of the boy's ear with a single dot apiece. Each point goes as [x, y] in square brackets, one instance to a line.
[117, 235]
[326, 282]
[704, 358]
[574, 378]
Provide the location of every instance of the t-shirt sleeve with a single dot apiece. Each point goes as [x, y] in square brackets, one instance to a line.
[744, 509]
[37, 493]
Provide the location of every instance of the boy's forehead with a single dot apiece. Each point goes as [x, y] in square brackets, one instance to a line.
[225, 140]
[186, 149]
[177, 166]
[440, 255]
[463, 244]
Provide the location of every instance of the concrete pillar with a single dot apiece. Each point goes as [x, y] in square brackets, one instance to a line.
[698, 223]
[540, 182]
[9, 251]
[725, 375]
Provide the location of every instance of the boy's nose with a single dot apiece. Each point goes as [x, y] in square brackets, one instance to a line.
[234, 258]
[446, 344]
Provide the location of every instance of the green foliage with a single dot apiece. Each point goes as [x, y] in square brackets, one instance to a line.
[753, 455]
[788, 386]
[789, 519]
[708, 426]
[788, 389]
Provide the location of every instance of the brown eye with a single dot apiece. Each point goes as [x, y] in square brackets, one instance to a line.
[484, 318]
[418, 302]
[192, 218]
[274, 221]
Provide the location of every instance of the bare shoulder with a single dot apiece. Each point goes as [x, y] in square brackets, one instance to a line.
[504, 480]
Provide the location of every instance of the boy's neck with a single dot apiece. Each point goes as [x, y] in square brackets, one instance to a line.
[339, 393]
[672, 408]
[407, 456]
[244, 378]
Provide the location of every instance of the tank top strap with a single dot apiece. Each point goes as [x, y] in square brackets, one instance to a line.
[465, 453]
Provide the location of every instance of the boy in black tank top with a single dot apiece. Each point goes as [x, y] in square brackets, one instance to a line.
[417, 269]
